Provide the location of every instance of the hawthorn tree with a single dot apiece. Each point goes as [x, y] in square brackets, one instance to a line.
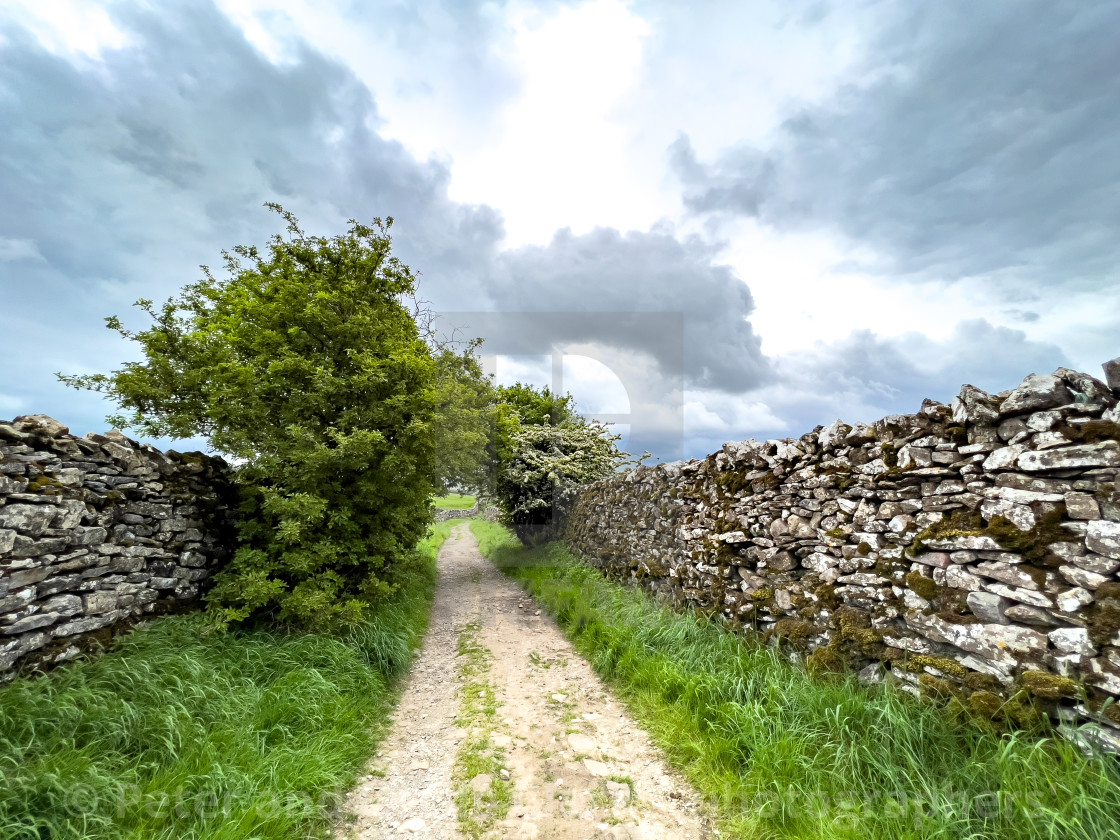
[306, 365]
[540, 463]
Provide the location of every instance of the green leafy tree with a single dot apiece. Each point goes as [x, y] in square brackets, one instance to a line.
[308, 368]
[539, 464]
[536, 407]
[465, 415]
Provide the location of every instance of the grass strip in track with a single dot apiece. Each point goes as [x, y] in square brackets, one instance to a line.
[782, 754]
[182, 733]
[478, 757]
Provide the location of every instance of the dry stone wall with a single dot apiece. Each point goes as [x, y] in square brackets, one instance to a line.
[444, 515]
[95, 532]
[969, 550]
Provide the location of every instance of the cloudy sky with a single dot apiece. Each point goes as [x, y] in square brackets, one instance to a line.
[737, 219]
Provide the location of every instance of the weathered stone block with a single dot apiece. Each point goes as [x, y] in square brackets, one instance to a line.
[1035, 393]
[99, 602]
[1103, 454]
[988, 607]
[1103, 537]
[32, 520]
[64, 605]
[31, 622]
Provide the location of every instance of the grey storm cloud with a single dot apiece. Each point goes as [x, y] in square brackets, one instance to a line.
[118, 177]
[118, 180]
[973, 139]
[635, 272]
[863, 377]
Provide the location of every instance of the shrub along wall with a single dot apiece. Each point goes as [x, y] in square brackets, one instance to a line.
[969, 551]
[97, 531]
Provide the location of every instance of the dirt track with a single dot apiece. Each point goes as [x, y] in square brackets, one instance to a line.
[578, 766]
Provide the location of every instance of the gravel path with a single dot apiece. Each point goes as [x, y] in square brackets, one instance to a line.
[578, 766]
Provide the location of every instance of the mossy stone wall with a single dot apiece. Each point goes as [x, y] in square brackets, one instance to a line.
[968, 552]
[96, 533]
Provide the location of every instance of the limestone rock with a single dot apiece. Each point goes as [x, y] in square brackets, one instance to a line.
[29, 519]
[1106, 453]
[619, 793]
[1090, 387]
[833, 434]
[1082, 506]
[1074, 599]
[995, 642]
[1021, 516]
[596, 768]
[1026, 614]
[1082, 577]
[1103, 537]
[1004, 458]
[988, 607]
[975, 407]
[1072, 640]
[582, 744]
[1112, 374]
[40, 424]
[1036, 393]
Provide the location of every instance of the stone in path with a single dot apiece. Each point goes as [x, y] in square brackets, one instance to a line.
[579, 767]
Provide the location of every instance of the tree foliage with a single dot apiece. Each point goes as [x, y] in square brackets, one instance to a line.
[465, 415]
[539, 464]
[306, 365]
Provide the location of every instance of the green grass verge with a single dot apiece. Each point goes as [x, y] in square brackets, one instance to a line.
[183, 733]
[783, 754]
[454, 501]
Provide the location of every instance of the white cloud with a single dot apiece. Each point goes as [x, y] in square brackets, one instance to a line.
[13, 250]
[72, 28]
[560, 157]
[707, 412]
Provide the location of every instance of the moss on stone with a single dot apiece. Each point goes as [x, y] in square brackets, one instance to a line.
[45, 484]
[917, 663]
[958, 523]
[937, 687]
[863, 549]
[1104, 622]
[1094, 431]
[764, 483]
[985, 704]
[886, 567]
[825, 660]
[763, 594]
[827, 599]
[1108, 589]
[794, 630]
[1049, 686]
[1034, 544]
[921, 585]
[1023, 713]
[975, 681]
[890, 455]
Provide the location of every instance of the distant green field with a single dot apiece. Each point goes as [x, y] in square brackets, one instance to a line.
[454, 501]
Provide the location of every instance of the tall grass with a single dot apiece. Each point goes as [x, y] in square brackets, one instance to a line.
[184, 733]
[784, 754]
